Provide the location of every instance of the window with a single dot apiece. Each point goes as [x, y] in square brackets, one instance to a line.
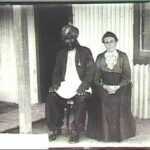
[142, 33]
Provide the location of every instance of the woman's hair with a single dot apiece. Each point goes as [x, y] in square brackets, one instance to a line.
[109, 34]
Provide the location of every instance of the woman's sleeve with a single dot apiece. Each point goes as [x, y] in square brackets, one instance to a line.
[126, 74]
[97, 78]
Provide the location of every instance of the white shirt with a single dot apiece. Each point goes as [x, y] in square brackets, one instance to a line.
[72, 81]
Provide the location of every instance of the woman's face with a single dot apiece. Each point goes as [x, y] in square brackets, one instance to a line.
[110, 44]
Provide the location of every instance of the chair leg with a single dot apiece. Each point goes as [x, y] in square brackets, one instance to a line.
[68, 109]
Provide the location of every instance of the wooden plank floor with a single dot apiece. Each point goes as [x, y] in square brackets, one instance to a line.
[10, 119]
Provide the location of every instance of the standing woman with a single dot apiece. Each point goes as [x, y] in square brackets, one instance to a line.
[113, 81]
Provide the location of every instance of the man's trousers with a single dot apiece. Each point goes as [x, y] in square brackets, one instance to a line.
[54, 111]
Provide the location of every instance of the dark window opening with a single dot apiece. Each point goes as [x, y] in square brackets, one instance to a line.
[142, 33]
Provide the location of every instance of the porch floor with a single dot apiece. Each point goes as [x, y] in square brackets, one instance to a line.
[39, 138]
[9, 115]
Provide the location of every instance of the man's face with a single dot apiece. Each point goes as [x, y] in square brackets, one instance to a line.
[70, 43]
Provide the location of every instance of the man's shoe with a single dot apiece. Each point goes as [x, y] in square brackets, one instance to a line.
[53, 135]
[74, 138]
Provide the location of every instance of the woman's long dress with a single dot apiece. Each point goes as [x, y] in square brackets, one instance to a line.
[113, 120]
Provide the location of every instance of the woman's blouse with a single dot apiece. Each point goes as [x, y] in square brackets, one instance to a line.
[111, 59]
[118, 64]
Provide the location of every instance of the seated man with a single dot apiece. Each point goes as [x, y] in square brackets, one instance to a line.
[72, 77]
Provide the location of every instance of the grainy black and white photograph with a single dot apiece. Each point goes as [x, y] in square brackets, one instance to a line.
[74, 74]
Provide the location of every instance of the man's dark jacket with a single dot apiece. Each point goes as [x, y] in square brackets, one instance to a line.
[84, 64]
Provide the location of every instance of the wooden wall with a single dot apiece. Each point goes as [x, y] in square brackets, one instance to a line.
[8, 78]
[18, 64]
[93, 20]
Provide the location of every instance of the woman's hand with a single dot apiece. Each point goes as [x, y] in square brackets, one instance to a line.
[111, 89]
[106, 87]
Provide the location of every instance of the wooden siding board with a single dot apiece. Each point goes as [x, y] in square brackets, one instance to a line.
[148, 91]
[145, 107]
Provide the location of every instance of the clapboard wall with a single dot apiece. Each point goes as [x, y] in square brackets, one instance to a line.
[93, 20]
[18, 64]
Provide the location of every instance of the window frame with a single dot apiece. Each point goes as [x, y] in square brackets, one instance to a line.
[140, 56]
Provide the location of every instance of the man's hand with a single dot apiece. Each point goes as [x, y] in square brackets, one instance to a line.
[53, 89]
[81, 91]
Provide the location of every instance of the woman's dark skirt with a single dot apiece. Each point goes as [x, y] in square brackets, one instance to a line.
[109, 115]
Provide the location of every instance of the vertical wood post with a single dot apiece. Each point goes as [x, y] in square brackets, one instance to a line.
[23, 69]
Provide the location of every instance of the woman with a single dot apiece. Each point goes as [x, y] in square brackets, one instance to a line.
[114, 121]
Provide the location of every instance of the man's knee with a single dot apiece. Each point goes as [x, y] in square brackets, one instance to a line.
[51, 97]
[50, 103]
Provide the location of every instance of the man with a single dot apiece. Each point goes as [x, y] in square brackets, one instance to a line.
[72, 77]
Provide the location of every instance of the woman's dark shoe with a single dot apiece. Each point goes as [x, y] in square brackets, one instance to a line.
[53, 135]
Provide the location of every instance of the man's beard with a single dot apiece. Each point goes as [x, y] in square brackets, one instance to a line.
[70, 46]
